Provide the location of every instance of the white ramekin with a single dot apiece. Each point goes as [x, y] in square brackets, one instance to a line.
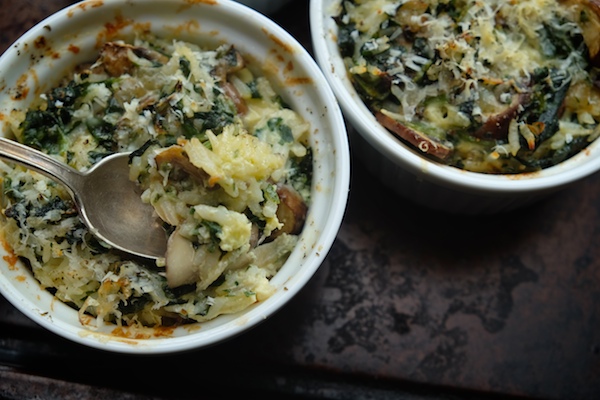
[42, 56]
[412, 176]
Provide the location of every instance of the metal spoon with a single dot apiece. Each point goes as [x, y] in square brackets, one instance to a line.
[106, 199]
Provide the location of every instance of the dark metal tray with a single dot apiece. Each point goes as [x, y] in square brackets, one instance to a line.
[409, 304]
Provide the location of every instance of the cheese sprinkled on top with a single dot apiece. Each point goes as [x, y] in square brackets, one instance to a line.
[455, 75]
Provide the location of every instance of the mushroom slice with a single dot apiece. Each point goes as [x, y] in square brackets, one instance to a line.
[186, 263]
[231, 92]
[254, 236]
[496, 126]
[272, 255]
[291, 211]
[149, 54]
[175, 155]
[416, 138]
[181, 263]
[232, 61]
[115, 60]
[411, 15]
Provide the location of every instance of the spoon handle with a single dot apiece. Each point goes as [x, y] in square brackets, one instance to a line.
[31, 158]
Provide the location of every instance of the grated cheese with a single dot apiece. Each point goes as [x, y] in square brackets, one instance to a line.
[485, 60]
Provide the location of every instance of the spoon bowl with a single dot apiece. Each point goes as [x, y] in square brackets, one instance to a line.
[107, 200]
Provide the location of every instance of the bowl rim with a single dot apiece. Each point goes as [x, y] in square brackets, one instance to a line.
[334, 203]
[324, 34]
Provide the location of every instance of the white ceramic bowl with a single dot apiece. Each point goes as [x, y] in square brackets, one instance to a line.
[414, 177]
[36, 62]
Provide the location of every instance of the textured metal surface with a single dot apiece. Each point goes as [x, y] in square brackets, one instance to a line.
[410, 304]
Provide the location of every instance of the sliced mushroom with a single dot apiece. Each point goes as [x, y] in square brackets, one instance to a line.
[411, 14]
[149, 54]
[187, 264]
[232, 61]
[291, 211]
[176, 156]
[417, 139]
[115, 61]
[254, 236]
[233, 94]
[181, 265]
[496, 126]
[273, 254]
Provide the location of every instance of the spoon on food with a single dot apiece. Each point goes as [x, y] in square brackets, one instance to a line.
[105, 197]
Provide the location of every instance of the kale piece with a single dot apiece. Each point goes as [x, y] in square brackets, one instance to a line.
[103, 132]
[46, 129]
[216, 119]
[184, 66]
[65, 206]
[557, 42]
[285, 132]
[214, 229]
[114, 106]
[194, 127]
[43, 130]
[254, 90]
[548, 94]
[345, 41]
[549, 91]
[64, 96]
[135, 304]
[301, 171]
